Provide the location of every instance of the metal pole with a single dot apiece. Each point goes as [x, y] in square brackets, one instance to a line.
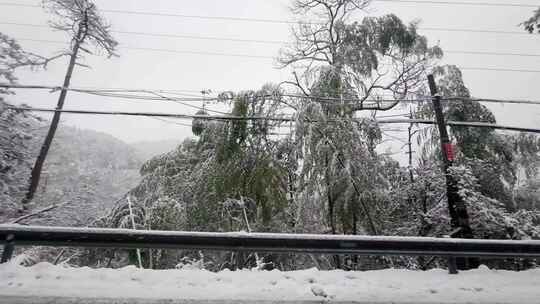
[9, 247]
[459, 218]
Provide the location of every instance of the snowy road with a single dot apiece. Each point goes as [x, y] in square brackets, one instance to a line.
[194, 286]
[53, 300]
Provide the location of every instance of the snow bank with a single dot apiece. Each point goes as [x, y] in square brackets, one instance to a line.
[399, 286]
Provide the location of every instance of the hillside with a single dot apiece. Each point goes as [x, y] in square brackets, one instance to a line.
[87, 170]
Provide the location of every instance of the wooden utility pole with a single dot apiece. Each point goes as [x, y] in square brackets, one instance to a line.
[38, 166]
[459, 218]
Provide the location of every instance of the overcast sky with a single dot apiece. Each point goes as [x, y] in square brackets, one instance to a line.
[140, 69]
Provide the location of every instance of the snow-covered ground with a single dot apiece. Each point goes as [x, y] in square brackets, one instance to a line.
[397, 286]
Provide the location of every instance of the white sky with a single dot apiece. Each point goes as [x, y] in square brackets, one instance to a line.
[159, 70]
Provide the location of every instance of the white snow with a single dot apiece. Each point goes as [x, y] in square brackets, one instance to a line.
[399, 286]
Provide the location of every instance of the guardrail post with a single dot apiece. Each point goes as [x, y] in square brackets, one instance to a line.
[452, 265]
[8, 248]
[452, 262]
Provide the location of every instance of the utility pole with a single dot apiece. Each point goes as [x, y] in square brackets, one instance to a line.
[459, 218]
[409, 145]
[204, 94]
[38, 166]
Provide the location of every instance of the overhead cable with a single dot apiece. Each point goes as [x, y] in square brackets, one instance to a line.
[116, 92]
[281, 42]
[161, 14]
[493, 69]
[462, 124]
[422, 28]
[459, 3]
[273, 118]
[270, 41]
[348, 101]
[158, 98]
[172, 122]
[491, 100]
[278, 21]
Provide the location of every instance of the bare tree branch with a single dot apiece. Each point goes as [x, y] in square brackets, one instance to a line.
[38, 212]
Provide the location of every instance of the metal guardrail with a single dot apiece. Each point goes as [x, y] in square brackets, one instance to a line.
[11, 235]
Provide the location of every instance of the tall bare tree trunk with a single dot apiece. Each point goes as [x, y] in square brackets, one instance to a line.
[38, 166]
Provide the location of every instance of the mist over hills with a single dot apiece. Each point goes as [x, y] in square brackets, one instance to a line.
[148, 149]
[86, 169]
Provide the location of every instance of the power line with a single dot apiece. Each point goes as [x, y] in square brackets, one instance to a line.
[105, 92]
[490, 100]
[281, 42]
[149, 98]
[462, 124]
[270, 57]
[106, 89]
[199, 37]
[190, 126]
[183, 36]
[498, 69]
[491, 53]
[493, 4]
[260, 20]
[158, 14]
[20, 4]
[110, 92]
[116, 92]
[440, 29]
[392, 115]
[275, 21]
[155, 114]
[269, 118]
[430, 2]
[142, 97]
[199, 53]
[172, 122]
[196, 37]
[164, 50]
[180, 36]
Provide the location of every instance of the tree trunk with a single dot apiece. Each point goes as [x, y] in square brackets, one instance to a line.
[38, 166]
[410, 152]
[332, 219]
[330, 199]
[355, 232]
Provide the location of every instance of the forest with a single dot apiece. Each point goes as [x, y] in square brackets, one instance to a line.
[301, 156]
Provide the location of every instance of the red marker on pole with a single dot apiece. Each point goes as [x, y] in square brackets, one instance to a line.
[449, 151]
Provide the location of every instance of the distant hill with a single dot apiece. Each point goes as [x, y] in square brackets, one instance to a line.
[87, 169]
[148, 149]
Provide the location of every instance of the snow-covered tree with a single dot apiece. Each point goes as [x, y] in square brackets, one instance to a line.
[533, 23]
[12, 57]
